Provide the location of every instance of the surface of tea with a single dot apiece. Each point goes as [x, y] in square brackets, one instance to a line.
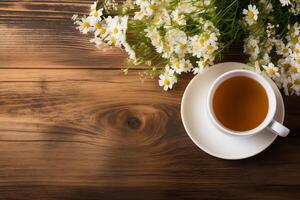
[240, 103]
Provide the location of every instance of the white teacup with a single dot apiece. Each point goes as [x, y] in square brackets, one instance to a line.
[268, 122]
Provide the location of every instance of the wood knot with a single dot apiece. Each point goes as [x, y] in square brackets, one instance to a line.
[134, 122]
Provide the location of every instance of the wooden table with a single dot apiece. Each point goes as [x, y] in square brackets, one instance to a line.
[73, 127]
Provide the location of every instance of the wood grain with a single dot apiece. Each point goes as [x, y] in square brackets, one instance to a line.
[73, 127]
[101, 134]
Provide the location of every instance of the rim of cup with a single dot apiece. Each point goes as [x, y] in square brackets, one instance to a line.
[262, 81]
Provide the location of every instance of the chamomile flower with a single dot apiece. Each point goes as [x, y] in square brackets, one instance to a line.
[100, 28]
[175, 36]
[295, 7]
[296, 49]
[186, 6]
[167, 79]
[161, 18]
[147, 8]
[167, 50]
[294, 30]
[152, 7]
[202, 64]
[203, 45]
[294, 70]
[209, 50]
[196, 46]
[180, 42]
[285, 2]
[95, 15]
[286, 85]
[296, 60]
[153, 34]
[114, 26]
[170, 72]
[156, 39]
[177, 65]
[251, 14]
[112, 41]
[271, 70]
[251, 47]
[139, 15]
[187, 66]
[293, 41]
[282, 49]
[296, 86]
[208, 38]
[265, 60]
[293, 35]
[178, 18]
[84, 25]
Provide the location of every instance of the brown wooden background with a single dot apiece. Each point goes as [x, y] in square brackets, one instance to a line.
[73, 127]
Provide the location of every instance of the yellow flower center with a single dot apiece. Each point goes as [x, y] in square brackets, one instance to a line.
[292, 30]
[209, 47]
[102, 30]
[295, 40]
[297, 50]
[251, 49]
[297, 82]
[186, 65]
[167, 48]
[116, 30]
[271, 72]
[156, 19]
[201, 42]
[177, 65]
[153, 7]
[250, 14]
[293, 69]
[95, 14]
[183, 46]
[285, 50]
[113, 40]
[86, 25]
[298, 61]
[98, 25]
[289, 85]
[285, 67]
[205, 37]
[154, 37]
[166, 82]
[93, 10]
[139, 13]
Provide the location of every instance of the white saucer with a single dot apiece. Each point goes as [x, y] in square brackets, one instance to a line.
[205, 135]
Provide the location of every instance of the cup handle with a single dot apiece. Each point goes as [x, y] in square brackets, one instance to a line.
[278, 128]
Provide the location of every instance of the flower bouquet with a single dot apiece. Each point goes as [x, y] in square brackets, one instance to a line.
[172, 37]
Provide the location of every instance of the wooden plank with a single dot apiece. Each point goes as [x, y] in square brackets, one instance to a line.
[40, 34]
[87, 134]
